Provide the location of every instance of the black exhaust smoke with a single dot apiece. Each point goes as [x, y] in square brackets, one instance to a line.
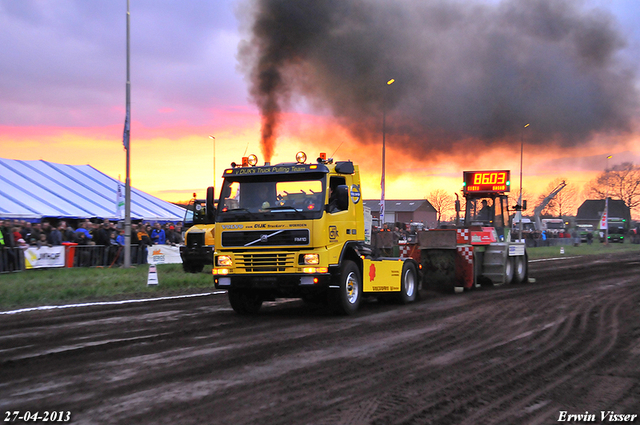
[466, 73]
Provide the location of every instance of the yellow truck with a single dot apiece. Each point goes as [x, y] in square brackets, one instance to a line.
[199, 221]
[298, 230]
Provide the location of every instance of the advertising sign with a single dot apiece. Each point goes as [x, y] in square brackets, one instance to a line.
[36, 258]
[163, 254]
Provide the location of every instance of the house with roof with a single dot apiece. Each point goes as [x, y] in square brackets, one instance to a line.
[404, 211]
[591, 210]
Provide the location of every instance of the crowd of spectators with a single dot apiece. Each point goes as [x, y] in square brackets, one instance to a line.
[17, 235]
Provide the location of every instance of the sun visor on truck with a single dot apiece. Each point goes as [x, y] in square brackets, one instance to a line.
[344, 167]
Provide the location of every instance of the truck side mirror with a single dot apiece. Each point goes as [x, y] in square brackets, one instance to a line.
[343, 197]
[211, 211]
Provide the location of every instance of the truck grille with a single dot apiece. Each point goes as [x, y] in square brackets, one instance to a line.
[195, 239]
[270, 262]
[256, 238]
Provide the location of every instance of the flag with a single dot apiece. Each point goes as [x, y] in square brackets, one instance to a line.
[125, 135]
[119, 201]
[603, 220]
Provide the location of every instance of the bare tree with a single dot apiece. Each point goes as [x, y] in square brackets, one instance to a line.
[564, 203]
[514, 197]
[441, 201]
[621, 181]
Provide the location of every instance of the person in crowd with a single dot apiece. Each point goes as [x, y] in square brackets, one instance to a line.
[8, 252]
[1, 249]
[157, 235]
[36, 229]
[168, 232]
[145, 241]
[120, 237]
[46, 229]
[83, 256]
[82, 229]
[178, 236]
[101, 234]
[26, 231]
[114, 249]
[135, 242]
[17, 237]
[68, 235]
[55, 236]
[43, 241]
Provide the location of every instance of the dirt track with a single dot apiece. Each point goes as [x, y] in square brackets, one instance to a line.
[508, 355]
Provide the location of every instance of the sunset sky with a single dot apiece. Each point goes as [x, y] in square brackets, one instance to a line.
[469, 76]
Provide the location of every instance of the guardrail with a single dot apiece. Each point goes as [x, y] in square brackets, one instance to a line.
[13, 259]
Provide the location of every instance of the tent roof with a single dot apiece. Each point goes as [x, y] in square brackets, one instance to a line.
[36, 189]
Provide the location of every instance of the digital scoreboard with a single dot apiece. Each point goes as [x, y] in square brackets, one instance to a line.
[486, 181]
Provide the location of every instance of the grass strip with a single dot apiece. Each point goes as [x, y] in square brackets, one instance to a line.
[40, 287]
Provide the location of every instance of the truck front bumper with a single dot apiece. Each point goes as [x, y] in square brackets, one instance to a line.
[199, 254]
[287, 282]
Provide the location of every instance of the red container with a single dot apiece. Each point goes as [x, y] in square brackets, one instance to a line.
[69, 253]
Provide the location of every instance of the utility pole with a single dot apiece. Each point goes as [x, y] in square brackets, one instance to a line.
[520, 198]
[127, 146]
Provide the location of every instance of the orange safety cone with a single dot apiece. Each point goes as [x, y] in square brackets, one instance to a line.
[152, 278]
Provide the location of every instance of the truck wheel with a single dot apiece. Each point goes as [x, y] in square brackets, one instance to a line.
[346, 300]
[245, 302]
[520, 272]
[409, 284]
[190, 267]
[509, 265]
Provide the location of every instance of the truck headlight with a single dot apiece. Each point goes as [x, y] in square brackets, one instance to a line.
[224, 261]
[311, 259]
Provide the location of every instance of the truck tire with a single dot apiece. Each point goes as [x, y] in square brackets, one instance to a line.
[509, 267]
[245, 302]
[409, 284]
[190, 267]
[346, 299]
[521, 269]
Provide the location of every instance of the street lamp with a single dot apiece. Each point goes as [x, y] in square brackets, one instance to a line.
[382, 180]
[520, 198]
[214, 162]
[605, 214]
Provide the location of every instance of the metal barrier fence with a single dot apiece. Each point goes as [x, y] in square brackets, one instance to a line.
[12, 259]
[106, 256]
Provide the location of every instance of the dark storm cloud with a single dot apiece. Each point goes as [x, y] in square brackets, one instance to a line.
[465, 72]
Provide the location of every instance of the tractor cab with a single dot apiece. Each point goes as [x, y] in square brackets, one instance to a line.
[486, 198]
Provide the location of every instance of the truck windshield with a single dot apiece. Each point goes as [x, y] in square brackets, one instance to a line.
[195, 213]
[552, 225]
[273, 197]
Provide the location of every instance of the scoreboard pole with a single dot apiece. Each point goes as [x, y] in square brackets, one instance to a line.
[520, 197]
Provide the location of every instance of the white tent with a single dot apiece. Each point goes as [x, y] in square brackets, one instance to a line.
[37, 189]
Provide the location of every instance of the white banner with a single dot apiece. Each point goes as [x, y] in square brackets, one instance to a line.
[163, 254]
[36, 258]
[604, 222]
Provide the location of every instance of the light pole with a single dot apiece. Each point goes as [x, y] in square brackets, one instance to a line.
[520, 198]
[605, 214]
[127, 144]
[382, 180]
[214, 163]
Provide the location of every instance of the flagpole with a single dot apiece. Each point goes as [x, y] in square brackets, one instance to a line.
[127, 141]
